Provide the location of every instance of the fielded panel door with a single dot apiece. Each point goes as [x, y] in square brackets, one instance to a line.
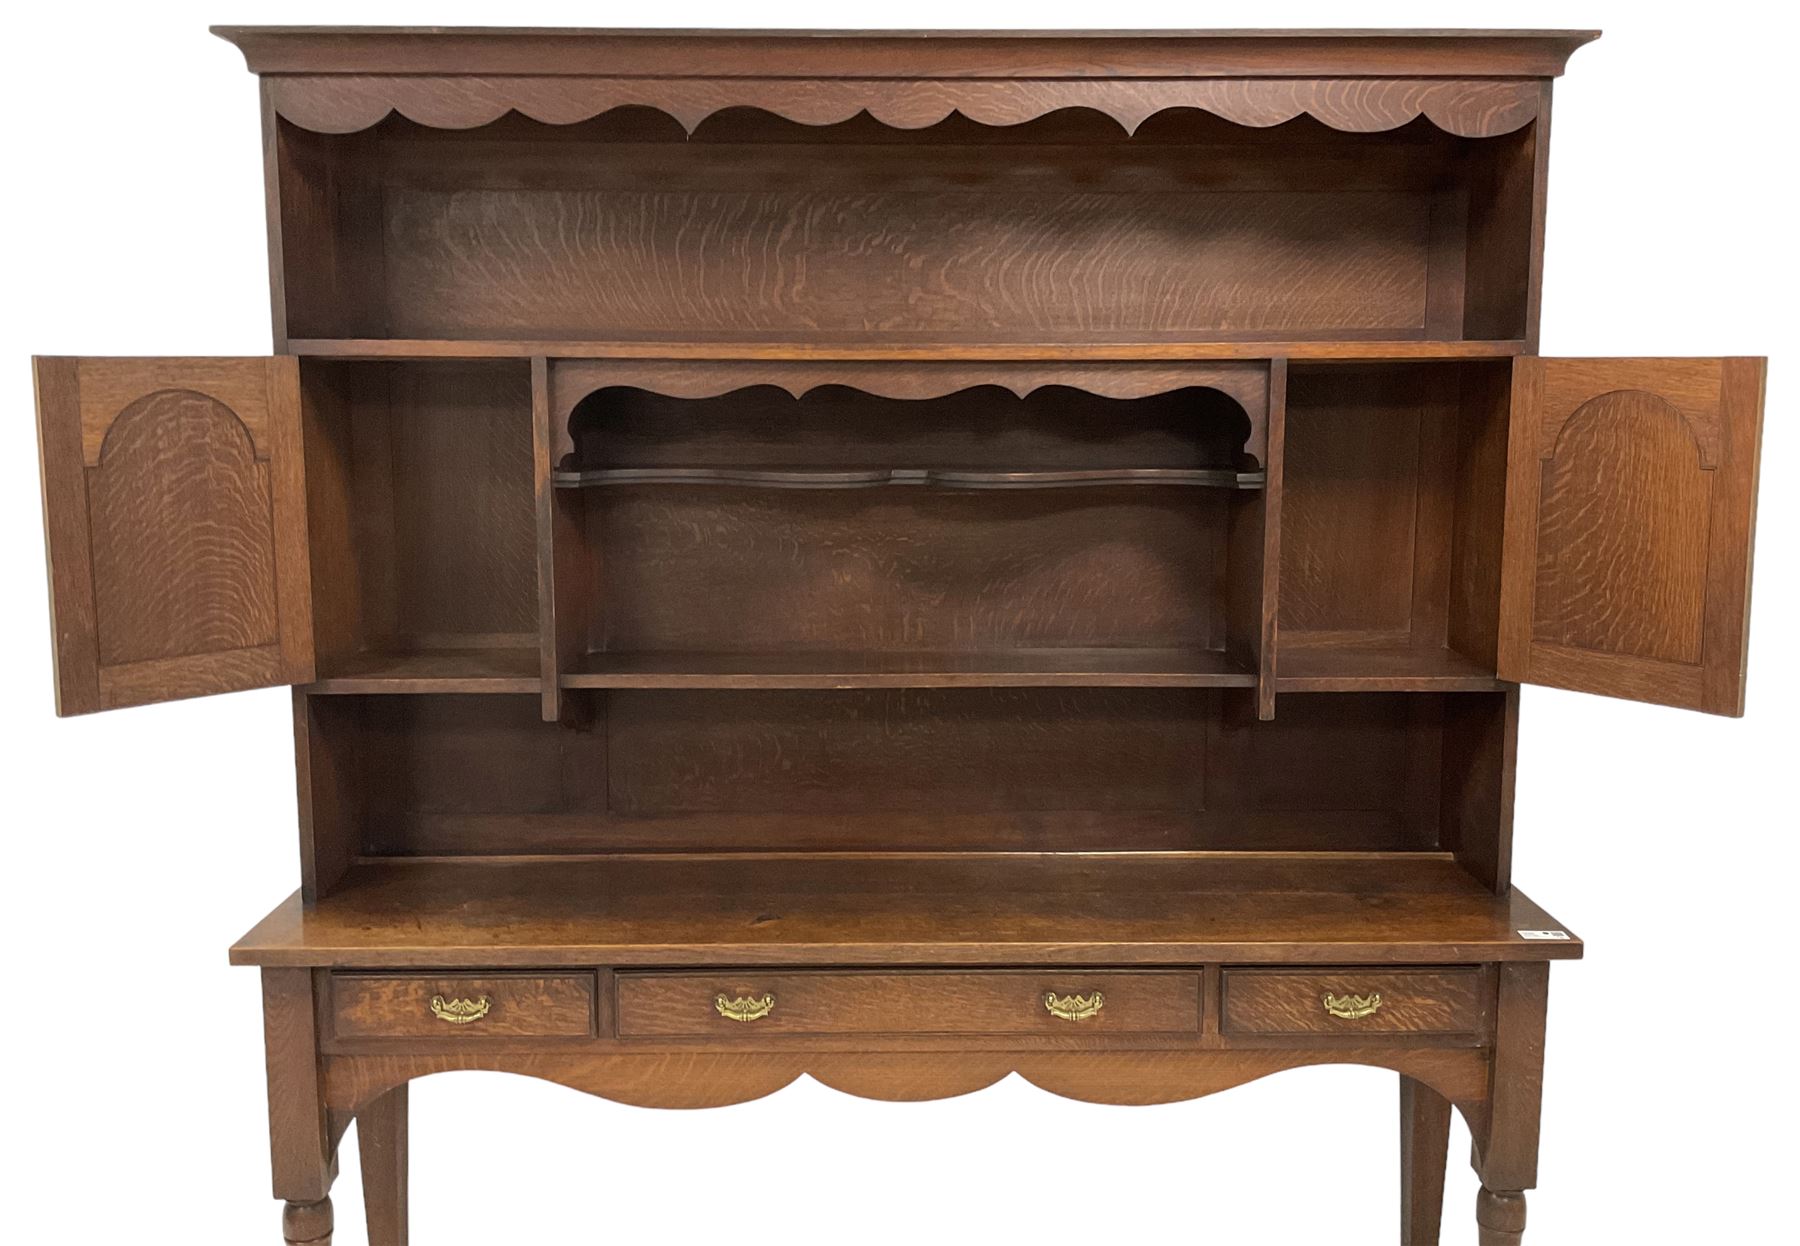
[1630, 514]
[175, 521]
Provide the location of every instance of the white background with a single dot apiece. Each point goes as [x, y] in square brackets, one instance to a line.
[138, 844]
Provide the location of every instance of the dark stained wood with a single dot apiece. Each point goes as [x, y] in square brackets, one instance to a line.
[949, 910]
[175, 519]
[1379, 668]
[904, 54]
[1264, 1002]
[1472, 108]
[301, 1146]
[328, 752]
[422, 506]
[1506, 1146]
[688, 1078]
[1254, 612]
[1501, 1215]
[705, 347]
[750, 767]
[496, 670]
[307, 1224]
[365, 1006]
[1008, 668]
[1480, 742]
[930, 478]
[381, 1135]
[1424, 1149]
[1631, 501]
[1504, 223]
[947, 571]
[686, 1005]
[1150, 729]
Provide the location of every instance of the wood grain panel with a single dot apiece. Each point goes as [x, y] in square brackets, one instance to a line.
[465, 536]
[683, 568]
[299, 1142]
[967, 751]
[1373, 752]
[342, 103]
[1350, 500]
[175, 513]
[697, 1079]
[184, 542]
[1631, 504]
[837, 427]
[950, 910]
[684, 1005]
[1622, 532]
[979, 770]
[1058, 263]
[422, 506]
[374, 1006]
[476, 754]
[1292, 1002]
[902, 54]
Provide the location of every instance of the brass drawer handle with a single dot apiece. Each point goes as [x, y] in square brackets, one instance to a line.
[745, 1007]
[1073, 1007]
[1353, 1007]
[460, 1011]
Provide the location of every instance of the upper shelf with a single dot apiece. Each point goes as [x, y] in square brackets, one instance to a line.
[890, 351]
[1473, 84]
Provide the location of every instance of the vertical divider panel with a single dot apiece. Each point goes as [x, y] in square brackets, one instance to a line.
[565, 572]
[328, 751]
[1271, 540]
[542, 442]
[1481, 746]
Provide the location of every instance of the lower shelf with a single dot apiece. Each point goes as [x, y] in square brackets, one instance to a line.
[434, 671]
[1012, 668]
[1377, 668]
[970, 909]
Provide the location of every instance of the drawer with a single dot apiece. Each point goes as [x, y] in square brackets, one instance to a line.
[1349, 1002]
[462, 1006]
[749, 1005]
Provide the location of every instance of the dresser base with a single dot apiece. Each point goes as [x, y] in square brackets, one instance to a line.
[344, 1046]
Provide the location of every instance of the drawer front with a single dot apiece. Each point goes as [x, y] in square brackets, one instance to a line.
[1349, 1002]
[740, 1006]
[462, 1006]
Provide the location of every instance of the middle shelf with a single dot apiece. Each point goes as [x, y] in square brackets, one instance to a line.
[917, 477]
[511, 528]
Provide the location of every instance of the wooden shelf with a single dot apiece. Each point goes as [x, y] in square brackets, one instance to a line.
[514, 670]
[765, 478]
[1013, 668]
[903, 351]
[953, 909]
[1391, 668]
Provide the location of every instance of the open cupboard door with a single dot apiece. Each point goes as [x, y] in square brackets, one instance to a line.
[1630, 511]
[175, 520]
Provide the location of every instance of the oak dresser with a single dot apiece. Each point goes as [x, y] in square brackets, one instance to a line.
[903, 559]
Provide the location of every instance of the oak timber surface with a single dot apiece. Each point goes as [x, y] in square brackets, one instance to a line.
[821, 347]
[1018, 668]
[1395, 908]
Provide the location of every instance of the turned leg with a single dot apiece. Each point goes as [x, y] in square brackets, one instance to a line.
[307, 1224]
[1506, 1152]
[1501, 1215]
[1424, 1150]
[381, 1137]
[302, 1145]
